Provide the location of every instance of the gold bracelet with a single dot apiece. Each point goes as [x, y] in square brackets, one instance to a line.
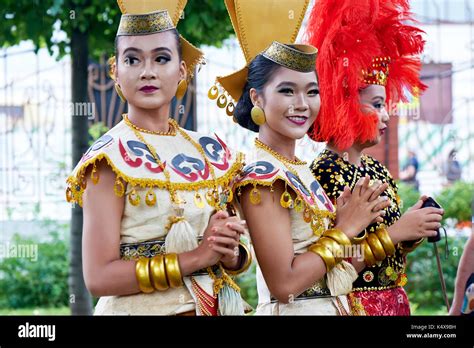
[405, 249]
[246, 263]
[325, 254]
[368, 255]
[334, 247]
[376, 247]
[358, 240]
[158, 273]
[386, 241]
[338, 236]
[173, 271]
[142, 272]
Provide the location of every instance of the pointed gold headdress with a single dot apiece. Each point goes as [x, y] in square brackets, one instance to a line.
[269, 28]
[144, 17]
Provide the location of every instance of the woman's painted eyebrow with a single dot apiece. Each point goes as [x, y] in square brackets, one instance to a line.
[141, 51]
[378, 97]
[292, 84]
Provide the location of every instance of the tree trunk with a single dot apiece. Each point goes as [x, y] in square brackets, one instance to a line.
[80, 299]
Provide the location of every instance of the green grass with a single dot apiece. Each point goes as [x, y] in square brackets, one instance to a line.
[416, 310]
[36, 311]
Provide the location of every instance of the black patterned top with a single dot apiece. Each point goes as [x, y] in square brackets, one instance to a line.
[334, 173]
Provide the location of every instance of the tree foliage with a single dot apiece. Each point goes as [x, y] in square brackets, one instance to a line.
[49, 23]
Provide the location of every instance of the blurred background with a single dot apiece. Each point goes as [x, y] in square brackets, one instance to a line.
[56, 99]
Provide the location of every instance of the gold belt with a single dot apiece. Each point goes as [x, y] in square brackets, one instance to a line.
[318, 290]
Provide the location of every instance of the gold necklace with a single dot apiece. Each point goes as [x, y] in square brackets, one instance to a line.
[212, 196]
[170, 132]
[282, 158]
[312, 215]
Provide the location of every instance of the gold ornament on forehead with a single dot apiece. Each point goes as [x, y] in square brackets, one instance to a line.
[378, 72]
[144, 24]
[300, 58]
[146, 17]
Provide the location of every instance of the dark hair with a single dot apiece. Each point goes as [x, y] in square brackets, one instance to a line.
[261, 70]
[177, 39]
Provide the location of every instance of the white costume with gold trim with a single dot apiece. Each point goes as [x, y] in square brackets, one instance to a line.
[264, 169]
[132, 162]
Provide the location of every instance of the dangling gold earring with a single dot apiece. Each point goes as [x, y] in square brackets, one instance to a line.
[120, 93]
[258, 115]
[213, 93]
[181, 91]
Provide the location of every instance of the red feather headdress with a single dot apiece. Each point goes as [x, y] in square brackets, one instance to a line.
[361, 42]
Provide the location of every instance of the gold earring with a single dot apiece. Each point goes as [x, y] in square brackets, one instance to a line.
[213, 93]
[230, 109]
[181, 91]
[258, 115]
[222, 101]
[120, 93]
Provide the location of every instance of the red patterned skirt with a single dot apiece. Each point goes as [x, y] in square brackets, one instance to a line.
[389, 302]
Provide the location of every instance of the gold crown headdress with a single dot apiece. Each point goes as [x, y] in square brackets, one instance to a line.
[269, 28]
[145, 17]
[378, 72]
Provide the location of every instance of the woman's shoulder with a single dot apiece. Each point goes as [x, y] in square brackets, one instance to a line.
[326, 161]
[261, 168]
[327, 168]
[377, 167]
[264, 169]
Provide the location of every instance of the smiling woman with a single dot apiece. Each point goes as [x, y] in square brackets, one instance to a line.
[157, 236]
[298, 241]
[284, 87]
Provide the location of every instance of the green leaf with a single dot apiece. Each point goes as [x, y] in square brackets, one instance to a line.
[205, 22]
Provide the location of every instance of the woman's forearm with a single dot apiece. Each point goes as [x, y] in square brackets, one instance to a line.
[358, 263]
[113, 279]
[305, 270]
[118, 278]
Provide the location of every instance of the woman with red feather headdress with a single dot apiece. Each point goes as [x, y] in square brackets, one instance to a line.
[368, 59]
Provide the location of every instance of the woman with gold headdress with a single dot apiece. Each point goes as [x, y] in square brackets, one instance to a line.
[298, 244]
[154, 195]
[369, 58]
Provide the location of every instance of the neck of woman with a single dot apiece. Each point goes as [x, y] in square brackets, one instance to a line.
[283, 145]
[352, 155]
[155, 120]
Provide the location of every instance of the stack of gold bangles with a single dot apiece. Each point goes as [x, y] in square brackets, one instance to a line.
[377, 246]
[158, 273]
[331, 247]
